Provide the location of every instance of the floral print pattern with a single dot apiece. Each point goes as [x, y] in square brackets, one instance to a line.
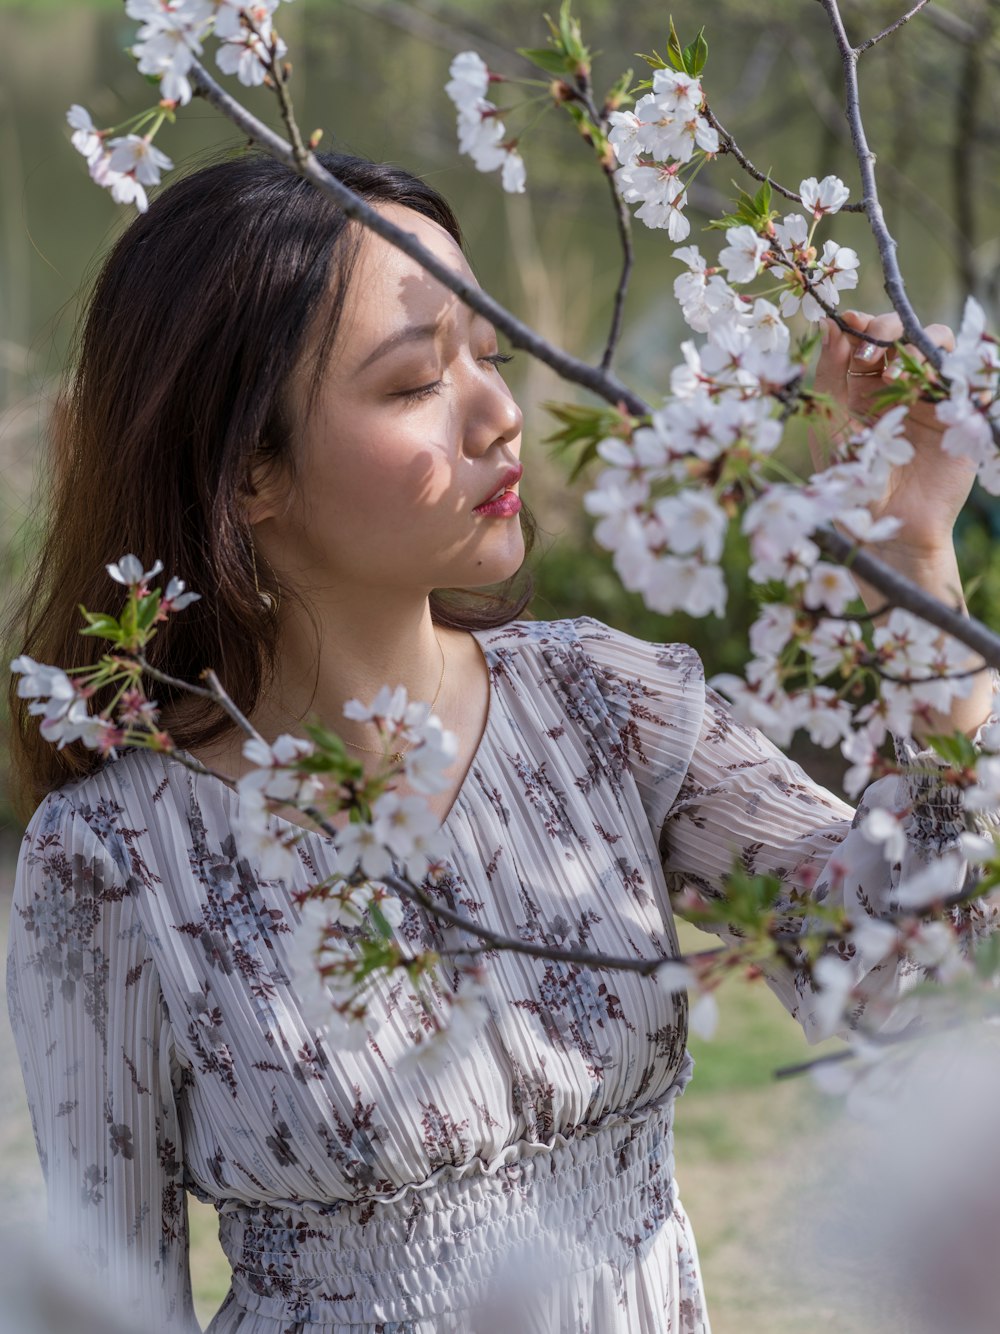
[528, 1185]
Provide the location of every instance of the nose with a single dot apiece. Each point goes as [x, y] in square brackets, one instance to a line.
[494, 416]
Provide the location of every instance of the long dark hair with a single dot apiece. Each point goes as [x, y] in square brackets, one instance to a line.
[197, 319]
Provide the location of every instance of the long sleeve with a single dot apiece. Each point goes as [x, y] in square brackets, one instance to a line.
[740, 797]
[94, 1042]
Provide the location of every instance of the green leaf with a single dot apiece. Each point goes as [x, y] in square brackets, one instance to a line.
[552, 62]
[101, 625]
[147, 609]
[584, 428]
[695, 55]
[955, 747]
[655, 60]
[674, 49]
[762, 199]
[986, 957]
[619, 91]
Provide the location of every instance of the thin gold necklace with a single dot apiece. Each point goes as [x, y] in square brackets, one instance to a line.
[397, 755]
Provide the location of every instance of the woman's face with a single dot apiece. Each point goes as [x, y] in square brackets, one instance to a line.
[413, 427]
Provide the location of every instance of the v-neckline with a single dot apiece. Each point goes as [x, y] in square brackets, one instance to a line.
[459, 798]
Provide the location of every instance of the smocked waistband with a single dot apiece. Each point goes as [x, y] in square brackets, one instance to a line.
[591, 1200]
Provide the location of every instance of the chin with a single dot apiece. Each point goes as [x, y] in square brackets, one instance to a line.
[490, 568]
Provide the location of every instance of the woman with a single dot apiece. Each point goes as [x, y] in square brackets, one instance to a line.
[305, 427]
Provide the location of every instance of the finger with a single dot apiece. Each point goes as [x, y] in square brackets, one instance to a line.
[836, 353]
[868, 356]
[939, 334]
[831, 379]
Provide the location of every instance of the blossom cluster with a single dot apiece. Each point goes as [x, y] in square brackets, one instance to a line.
[721, 408]
[347, 923]
[971, 412]
[169, 40]
[61, 701]
[480, 133]
[653, 141]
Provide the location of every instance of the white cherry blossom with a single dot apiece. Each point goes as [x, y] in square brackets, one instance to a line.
[86, 138]
[41, 681]
[703, 1016]
[175, 598]
[834, 646]
[825, 716]
[685, 585]
[743, 253]
[258, 839]
[662, 195]
[824, 197]
[830, 587]
[128, 570]
[470, 80]
[693, 521]
[772, 630]
[860, 749]
[834, 979]
[137, 156]
[624, 136]
[512, 173]
[883, 828]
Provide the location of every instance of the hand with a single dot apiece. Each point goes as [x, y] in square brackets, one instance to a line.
[927, 494]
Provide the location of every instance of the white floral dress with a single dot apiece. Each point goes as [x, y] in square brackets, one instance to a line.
[528, 1185]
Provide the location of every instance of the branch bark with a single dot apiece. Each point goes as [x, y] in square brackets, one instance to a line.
[893, 27]
[895, 288]
[603, 383]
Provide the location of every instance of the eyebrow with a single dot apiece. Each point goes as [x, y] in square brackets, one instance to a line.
[411, 334]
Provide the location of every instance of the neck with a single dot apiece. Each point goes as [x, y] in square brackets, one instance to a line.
[356, 645]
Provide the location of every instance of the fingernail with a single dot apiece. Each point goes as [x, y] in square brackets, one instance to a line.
[825, 335]
[867, 353]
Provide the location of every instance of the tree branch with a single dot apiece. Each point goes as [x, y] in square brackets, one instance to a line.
[902, 592]
[730, 146]
[895, 288]
[603, 383]
[606, 385]
[624, 221]
[581, 92]
[496, 940]
[887, 32]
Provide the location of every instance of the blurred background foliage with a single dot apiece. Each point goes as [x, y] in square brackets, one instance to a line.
[371, 74]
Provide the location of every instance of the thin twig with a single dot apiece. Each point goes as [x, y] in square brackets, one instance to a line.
[165, 678]
[496, 940]
[887, 32]
[603, 383]
[581, 92]
[230, 705]
[280, 77]
[895, 288]
[623, 219]
[870, 661]
[730, 146]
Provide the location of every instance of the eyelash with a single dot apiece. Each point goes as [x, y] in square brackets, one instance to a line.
[496, 359]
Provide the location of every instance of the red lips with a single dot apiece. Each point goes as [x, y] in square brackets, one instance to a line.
[510, 478]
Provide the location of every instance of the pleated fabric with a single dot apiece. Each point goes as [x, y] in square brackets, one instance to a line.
[528, 1184]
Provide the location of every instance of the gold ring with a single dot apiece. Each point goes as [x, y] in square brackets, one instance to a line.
[860, 375]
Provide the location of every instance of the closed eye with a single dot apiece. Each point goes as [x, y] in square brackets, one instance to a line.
[423, 391]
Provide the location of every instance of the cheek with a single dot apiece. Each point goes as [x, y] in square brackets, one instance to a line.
[385, 470]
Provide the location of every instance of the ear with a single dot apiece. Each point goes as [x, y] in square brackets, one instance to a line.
[265, 492]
